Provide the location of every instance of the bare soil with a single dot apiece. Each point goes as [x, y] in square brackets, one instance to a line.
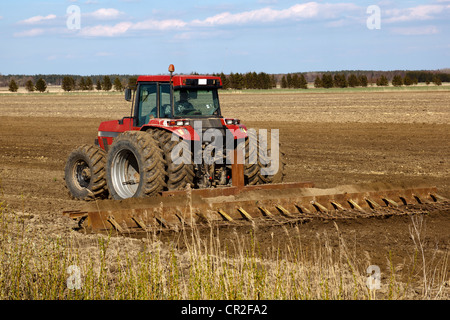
[329, 139]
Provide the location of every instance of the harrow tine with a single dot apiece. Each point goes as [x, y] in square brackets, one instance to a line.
[354, 205]
[417, 198]
[437, 197]
[390, 202]
[115, 224]
[337, 205]
[302, 209]
[284, 212]
[224, 215]
[372, 204]
[319, 207]
[140, 223]
[265, 212]
[245, 214]
[162, 222]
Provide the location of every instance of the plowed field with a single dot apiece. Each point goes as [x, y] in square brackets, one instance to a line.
[329, 138]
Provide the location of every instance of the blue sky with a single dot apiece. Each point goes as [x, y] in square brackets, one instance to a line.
[273, 36]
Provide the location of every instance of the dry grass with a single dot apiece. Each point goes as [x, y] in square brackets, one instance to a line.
[33, 267]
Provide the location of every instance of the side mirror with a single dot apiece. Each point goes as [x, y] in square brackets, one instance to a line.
[128, 94]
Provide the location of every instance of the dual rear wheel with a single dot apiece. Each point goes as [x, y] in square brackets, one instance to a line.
[139, 164]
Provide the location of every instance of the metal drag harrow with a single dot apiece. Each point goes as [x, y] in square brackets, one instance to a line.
[289, 201]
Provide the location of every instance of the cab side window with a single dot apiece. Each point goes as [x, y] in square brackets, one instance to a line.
[165, 109]
[147, 103]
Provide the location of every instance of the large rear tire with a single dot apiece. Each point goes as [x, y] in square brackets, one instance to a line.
[178, 175]
[257, 164]
[85, 174]
[135, 166]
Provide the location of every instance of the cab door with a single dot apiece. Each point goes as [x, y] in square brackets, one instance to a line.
[146, 103]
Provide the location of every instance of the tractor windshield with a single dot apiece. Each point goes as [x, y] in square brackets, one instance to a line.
[196, 102]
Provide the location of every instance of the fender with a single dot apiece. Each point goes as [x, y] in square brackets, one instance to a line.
[184, 132]
[108, 130]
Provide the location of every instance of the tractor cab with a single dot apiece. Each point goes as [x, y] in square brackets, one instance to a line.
[177, 97]
[187, 105]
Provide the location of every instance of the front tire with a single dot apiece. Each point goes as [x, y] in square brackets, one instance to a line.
[135, 166]
[85, 174]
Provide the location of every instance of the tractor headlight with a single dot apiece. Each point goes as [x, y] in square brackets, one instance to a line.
[232, 121]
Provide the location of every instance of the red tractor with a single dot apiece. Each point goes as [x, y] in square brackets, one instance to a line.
[175, 136]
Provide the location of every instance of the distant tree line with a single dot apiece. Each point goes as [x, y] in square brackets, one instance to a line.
[86, 84]
[340, 80]
[249, 80]
[40, 85]
[67, 82]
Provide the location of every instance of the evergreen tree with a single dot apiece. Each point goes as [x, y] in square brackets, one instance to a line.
[225, 82]
[99, 85]
[41, 86]
[68, 84]
[353, 81]
[284, 82]
[107, 84]
[327, 81]
[118, 85]
[273, 82]
[82, 84]
[407, 81]
[318, 82]
[13, 87]
[437, 81]
[340, 81]
[250, 80]
[363, 82]
[295, 81]
[89, 84]
[382, 81]
[29, 86]
[236, 81]
[303, 84]
[132, 83]
[289, 80]
[397, 81]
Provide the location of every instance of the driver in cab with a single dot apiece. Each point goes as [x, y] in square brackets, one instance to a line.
[183, 105]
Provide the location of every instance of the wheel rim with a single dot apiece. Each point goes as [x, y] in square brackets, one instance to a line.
[125, 174]
[82, 174]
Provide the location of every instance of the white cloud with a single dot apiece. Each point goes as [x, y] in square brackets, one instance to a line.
[105, 14]
[38, 19]
[106, 31]
[159, 24]
[29, 33]
[123, 27]
[296, 12]
[419, 13]
[303, 11]
[416, 31]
